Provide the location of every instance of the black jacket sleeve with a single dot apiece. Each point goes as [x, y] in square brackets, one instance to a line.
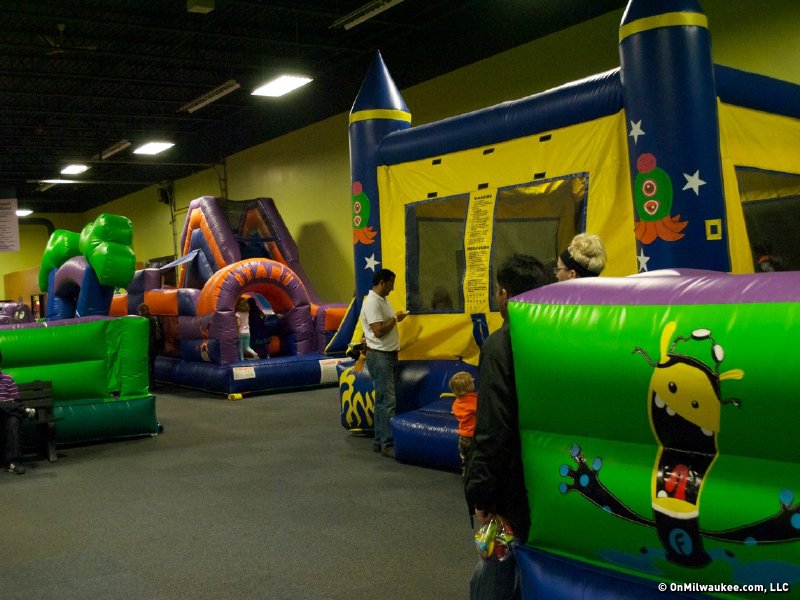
[494, 479]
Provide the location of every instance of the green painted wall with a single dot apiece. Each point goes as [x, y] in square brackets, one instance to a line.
[307, 172]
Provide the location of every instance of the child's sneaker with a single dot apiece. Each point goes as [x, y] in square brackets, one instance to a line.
[16, 468]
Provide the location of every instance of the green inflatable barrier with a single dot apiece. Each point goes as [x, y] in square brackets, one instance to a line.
[99, 374]
[657, 424]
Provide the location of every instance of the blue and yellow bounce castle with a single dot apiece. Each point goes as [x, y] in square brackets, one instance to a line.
[674, 361]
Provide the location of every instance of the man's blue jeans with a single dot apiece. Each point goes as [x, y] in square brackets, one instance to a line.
[382, 368]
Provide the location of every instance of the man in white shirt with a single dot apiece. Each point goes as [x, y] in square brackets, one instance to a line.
[379, 322]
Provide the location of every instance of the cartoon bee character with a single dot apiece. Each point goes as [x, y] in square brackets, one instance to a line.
[684, 406]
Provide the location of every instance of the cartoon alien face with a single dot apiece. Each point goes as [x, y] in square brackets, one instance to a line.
[686, 388]
[360, 205]
[652, 190]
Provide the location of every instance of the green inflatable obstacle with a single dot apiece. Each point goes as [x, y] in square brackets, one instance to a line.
[99, 372]
[657, 420]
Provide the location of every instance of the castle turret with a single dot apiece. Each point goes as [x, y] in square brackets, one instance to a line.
[378, 110]
[673, 136]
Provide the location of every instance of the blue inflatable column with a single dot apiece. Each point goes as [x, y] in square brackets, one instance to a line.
[58, 307]
[378, 110]
[673, 136]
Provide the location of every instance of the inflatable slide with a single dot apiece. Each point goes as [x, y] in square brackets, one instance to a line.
[232, 250]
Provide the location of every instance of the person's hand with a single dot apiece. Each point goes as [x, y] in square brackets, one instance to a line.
[483, 516]
[400, 315]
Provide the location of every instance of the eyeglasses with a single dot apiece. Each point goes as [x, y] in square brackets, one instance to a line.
[557, 269]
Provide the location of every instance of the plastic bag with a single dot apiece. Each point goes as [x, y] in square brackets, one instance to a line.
[492, 539]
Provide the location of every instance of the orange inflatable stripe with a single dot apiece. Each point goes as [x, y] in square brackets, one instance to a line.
[162, 302]
[212, 243]
[278, 298]
[276, 253]
[119, 305]
[194, 223]
[254, 221]
[333, 317]
[207, 300]
[197, 220]
[256, 276]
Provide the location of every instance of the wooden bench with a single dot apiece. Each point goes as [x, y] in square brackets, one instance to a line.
[39, 395]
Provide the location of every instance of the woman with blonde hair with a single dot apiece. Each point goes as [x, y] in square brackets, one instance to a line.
[584, 257]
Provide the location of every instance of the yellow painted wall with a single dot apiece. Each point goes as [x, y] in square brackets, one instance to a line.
[307, 172]
[32, 241]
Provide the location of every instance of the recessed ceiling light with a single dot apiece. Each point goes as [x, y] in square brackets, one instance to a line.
[282, 85]
[24, 212]
[74, 169]
[153, 147]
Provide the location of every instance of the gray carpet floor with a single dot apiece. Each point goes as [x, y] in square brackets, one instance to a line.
[266, 497]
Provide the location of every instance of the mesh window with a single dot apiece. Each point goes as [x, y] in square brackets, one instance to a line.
[435, 246]
[537, 218]
[771, 206]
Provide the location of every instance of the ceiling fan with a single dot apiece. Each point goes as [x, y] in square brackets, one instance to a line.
[57, 44]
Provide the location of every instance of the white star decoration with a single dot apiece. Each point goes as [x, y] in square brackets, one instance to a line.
[642, 260]
[693, 182]
[636, 131]
[371, 262]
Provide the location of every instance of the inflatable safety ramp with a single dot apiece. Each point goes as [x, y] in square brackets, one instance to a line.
[428, 436]
[657, 419]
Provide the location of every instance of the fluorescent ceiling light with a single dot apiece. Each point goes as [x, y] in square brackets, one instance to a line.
[74, 169]
[365, 13]
[281, 85]
[53, 182]
[24, 212]
[114, 148]
[153, 147]
[218, 92]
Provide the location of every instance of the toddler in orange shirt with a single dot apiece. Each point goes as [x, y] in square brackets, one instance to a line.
[465, 407]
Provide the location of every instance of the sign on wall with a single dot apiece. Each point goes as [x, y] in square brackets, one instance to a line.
[9, 225]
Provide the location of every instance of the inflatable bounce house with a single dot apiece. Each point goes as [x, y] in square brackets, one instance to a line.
[232, 250]
[97, 365]
[690, 174]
